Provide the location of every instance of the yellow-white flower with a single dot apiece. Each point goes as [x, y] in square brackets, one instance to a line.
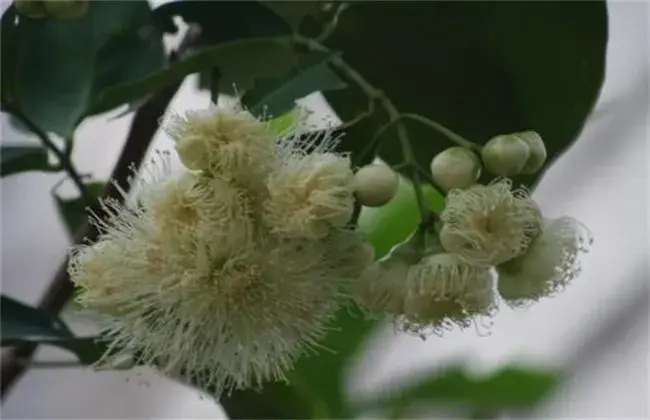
[309, 195]
[488, 225]
[549, 264]
[442, 290]
[223, 281]
[224, 142]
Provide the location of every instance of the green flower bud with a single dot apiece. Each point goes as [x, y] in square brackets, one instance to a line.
[505, 155]
[537, 151]
[456, 167]
[375, 185]
[66, 9]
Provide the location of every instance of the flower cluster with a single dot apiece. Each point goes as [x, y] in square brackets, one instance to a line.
[230, 270]
[443, 275]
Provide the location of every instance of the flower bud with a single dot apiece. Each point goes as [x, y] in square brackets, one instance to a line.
[456, 167]
[34, 9]
[505, 155]
[375, 185]
[537, 151]
[66, 9]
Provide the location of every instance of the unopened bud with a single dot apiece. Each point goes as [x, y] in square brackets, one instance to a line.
[375, 185]
[456, 167]
[34, 9]
[66, 9]
[505, 155]
[537, 151]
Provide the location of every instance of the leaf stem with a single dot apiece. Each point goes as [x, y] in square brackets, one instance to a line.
[456, 138]
[393, 115]
[63, 156]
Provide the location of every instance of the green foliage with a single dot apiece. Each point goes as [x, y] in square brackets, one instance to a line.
[480, 68]
[223, 22]
[277, 96]
[24, 325]
[73, 210]
[61, 68]
[510, 387]
[16, 159]
[295, 12]
[231, 58]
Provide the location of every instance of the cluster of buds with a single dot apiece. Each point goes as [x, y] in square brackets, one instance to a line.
[230, 270]
[443, 275]
[505, 155]
[56, 9]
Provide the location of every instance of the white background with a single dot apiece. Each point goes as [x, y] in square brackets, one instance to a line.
[597, 329]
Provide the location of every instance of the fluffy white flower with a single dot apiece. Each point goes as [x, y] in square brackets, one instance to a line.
[488, 225]
[224, 142]
[549, 264]
[442, 290]
[222, 281]
[310, 195]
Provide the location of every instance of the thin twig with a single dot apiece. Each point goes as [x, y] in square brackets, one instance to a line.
[63, 156]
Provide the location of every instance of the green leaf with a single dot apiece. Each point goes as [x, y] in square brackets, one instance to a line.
[277, 96]
[73, 210]
[227, 21]
[510, 387]
[8, 40]
[232, 59]
[295, 12]
[479, 68]
[16, 159]
[392, 223]
[62, 66]
[20, 321]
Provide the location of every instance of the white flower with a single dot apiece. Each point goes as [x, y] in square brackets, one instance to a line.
[455, 167]
[549, 264]
[442, 290]
[228, 143]
[488, 225]
[309, 196]
[223, 281]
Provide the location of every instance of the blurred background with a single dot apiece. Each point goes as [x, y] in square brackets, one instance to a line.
[596, 332]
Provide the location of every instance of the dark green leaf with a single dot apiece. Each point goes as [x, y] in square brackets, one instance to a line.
[63, 65]
[480, 68]
[73, 210]
[17, 159]
[294, 12]
[227, 21]
[511, 387]
[8, 39]
[277, 96]
[232, 58]
[20, 321]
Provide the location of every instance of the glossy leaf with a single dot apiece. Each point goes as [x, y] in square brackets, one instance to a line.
[232, 58]
[295, 12]
[73, 210]
[20, 321]
[480, 68]
[508, 388]
[62, 66]
[228, 21]
[277, 96]
[392, 223]
[16, 159]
